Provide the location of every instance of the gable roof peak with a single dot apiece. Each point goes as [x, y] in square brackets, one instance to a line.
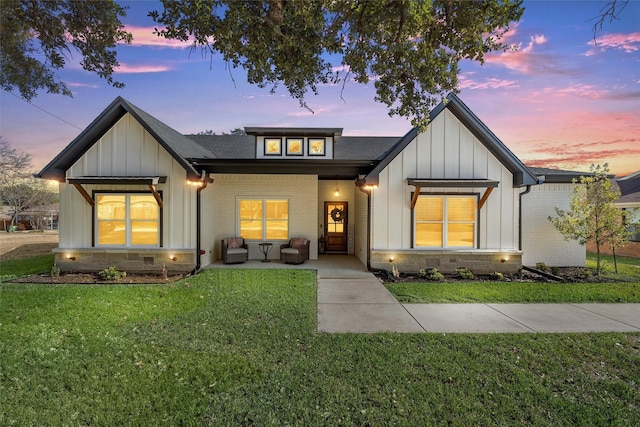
[521, 174]
[177, 145]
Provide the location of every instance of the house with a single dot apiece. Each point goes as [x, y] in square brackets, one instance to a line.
[540, 240]
[139, 195]
[36, 218]
[629, 205]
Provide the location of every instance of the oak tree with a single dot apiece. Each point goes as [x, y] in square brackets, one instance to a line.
[39, 37]
[409, 49]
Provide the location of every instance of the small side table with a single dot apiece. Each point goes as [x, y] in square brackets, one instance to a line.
[265, 248]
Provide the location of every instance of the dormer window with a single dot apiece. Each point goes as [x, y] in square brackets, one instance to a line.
[295, 143]
[316, 146]
[272, 147]
[295, 146]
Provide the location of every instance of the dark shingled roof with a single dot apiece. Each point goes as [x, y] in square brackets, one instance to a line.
[363, 147]
[629, 188]
[558, 176]
[346, 148]
[228, 146]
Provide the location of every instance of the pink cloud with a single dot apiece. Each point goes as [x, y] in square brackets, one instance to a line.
[75, 84]
[137, 69]
[522, 59]
[464, 82]
[626, 42]
[143, 36]
[307, 113]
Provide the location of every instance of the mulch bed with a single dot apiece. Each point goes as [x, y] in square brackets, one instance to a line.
[569, 274]
[88, 278]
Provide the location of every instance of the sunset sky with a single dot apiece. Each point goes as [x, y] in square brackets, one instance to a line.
[561, 100]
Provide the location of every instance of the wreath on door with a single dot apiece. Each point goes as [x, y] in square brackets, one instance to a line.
[337, 215]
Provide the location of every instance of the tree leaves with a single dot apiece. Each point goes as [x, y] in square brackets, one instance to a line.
[410, 49]
[37, 37]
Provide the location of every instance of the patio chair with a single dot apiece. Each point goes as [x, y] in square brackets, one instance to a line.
[234, 250]
[295, 252]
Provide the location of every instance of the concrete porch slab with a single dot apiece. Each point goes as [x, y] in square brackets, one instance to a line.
[348, 291]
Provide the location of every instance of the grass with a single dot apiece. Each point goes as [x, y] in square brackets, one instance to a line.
[10, 269]
[628, 268]
[514, 292]
[626, 290]
[239, 347]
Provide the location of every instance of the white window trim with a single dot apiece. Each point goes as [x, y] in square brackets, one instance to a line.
[264, 201]
[127, 221]
[445, 222]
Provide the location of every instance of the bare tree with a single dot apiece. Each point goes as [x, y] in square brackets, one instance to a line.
[19, 191]
[13, 163]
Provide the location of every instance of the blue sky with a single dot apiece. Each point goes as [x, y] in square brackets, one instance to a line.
[560, 100]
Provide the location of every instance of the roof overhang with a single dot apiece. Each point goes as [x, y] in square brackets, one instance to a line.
[118, 180]
[149, 181]
[489, 184]
[457, 183]
[286, 131]
[331, 169]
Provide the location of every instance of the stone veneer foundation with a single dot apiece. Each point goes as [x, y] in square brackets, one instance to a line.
[91, 260]
[479, 262]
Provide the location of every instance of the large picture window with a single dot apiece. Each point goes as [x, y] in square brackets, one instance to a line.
[127, 220]
[445, 222]
[264, 219]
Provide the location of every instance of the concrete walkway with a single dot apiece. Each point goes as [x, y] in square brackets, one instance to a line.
[351, 299]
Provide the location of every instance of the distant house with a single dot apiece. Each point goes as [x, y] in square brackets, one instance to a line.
[37, 218]
[139, 195]
[629, 202]
[629, 205]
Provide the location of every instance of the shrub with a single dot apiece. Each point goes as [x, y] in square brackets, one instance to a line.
[555, 270]
[112, 274]
[465, 273]
[497, 276]
[55, 270]
[432, 274]
[542, 266]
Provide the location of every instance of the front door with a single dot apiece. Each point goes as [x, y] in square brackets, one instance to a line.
[336, 226]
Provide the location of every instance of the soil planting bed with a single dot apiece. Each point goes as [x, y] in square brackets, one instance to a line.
[569, 274]
[95, 278]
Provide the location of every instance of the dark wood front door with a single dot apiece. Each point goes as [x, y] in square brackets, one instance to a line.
[336, 226]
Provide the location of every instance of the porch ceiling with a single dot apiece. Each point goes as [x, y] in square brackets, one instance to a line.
[346, 169]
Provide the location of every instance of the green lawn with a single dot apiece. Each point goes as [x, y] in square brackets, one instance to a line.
[628, 268]
[514, 292]
[10, 269]
[239, 347]
[627, 289]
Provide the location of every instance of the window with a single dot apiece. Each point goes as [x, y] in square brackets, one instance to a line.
[127, 220]
[316, 146]
[445, 221]
[262, 219]
[272, 146]
[294, 147]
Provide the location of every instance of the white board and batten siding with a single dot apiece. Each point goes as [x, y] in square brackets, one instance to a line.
[220, 208]
[446, 150]
[127, 149]
[361, 216]
[541, 241]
